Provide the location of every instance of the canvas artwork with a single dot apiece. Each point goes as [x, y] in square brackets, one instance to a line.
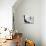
[29, 19]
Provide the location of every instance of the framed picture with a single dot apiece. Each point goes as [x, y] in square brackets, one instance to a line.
[29, 19]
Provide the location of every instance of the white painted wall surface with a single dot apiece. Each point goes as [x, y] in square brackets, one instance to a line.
[43, 22]
[32, 8]
[6, 13]
[37, 31]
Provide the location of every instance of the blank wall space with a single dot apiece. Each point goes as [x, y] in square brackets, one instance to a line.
[32, 8]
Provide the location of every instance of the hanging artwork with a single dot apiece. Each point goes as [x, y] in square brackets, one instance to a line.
[29, 19]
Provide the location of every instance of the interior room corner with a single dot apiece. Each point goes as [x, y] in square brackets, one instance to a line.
[22, 22]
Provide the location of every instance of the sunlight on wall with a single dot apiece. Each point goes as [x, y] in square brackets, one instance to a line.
[6, 13]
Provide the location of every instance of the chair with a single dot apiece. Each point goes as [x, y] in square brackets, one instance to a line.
[18, 39]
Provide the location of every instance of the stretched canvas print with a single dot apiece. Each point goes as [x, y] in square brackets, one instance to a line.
[28, 19]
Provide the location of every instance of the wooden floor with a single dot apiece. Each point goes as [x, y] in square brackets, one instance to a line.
[9, 43]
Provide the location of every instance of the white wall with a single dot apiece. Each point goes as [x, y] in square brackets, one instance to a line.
[43, 22]
[6, 13]
[32, 8]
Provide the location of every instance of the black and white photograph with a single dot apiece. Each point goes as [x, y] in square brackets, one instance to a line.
[29, 19]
